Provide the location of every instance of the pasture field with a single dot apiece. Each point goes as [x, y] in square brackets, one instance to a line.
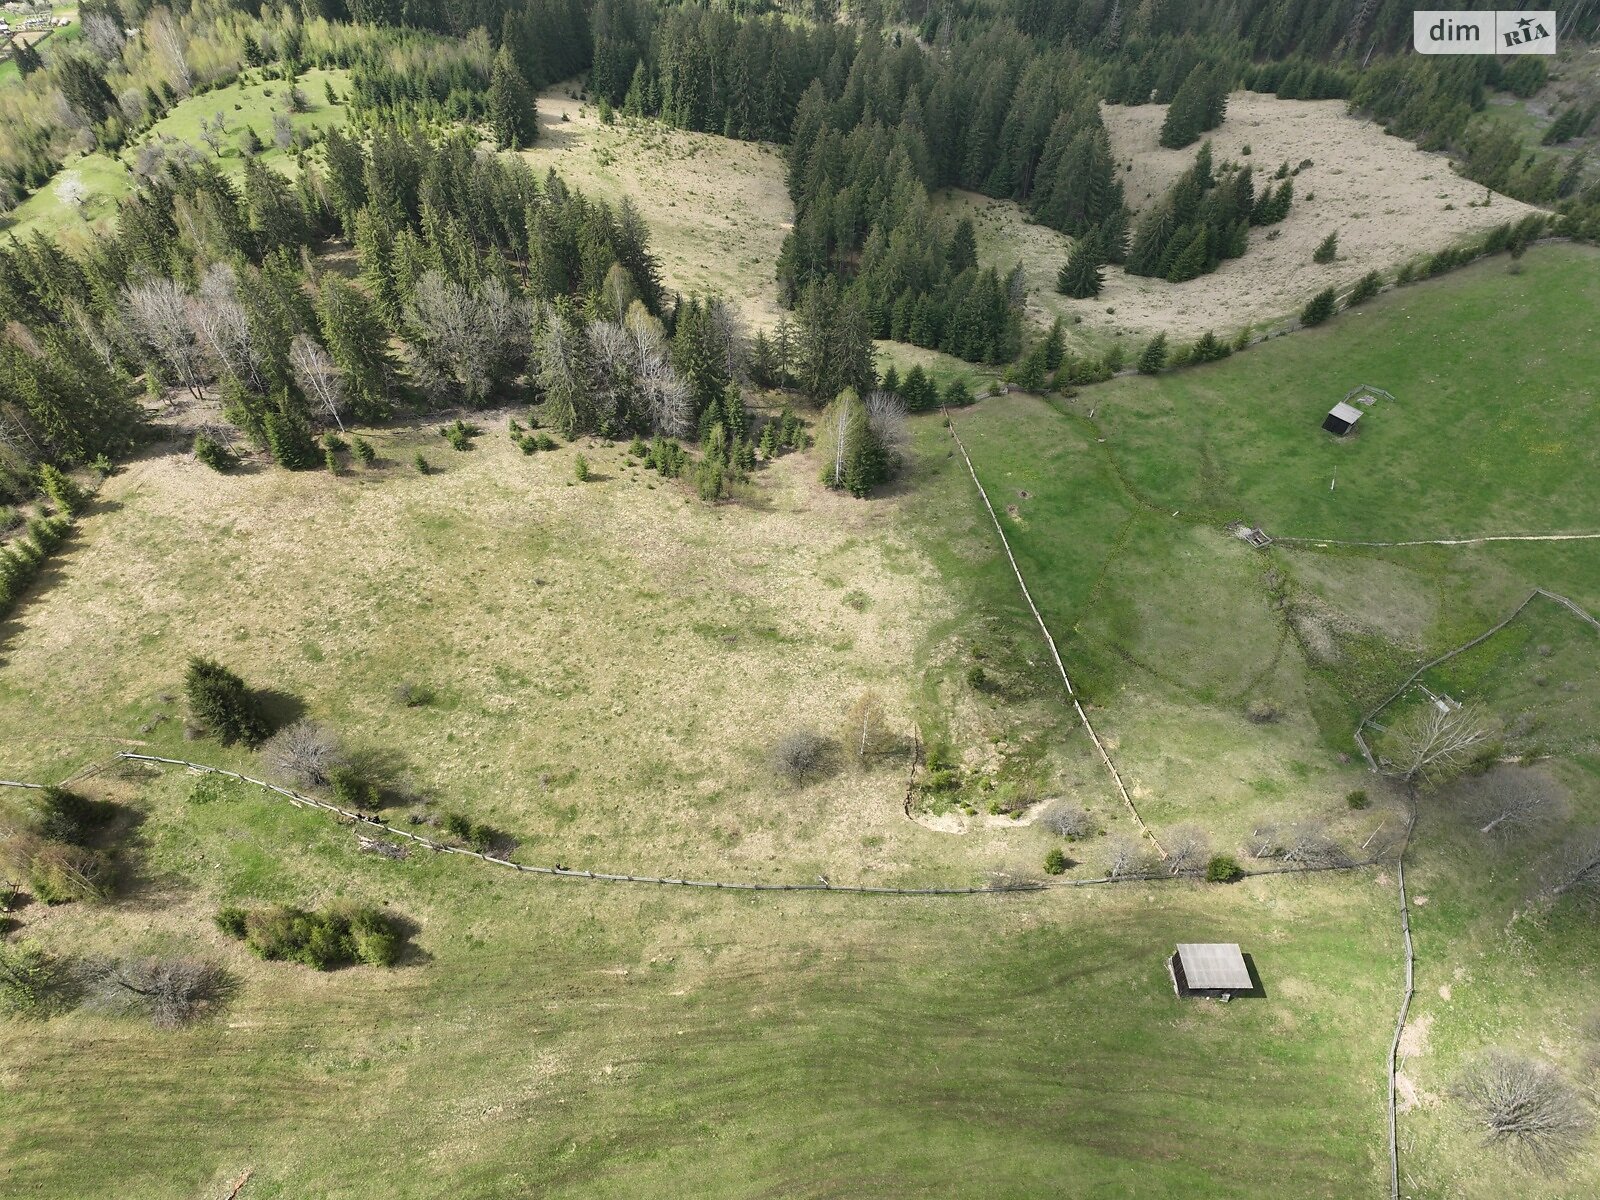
[573, 1038]
[103, 179]
[1388, 201]
[718, 209]
[610, 664]
[1493, 429]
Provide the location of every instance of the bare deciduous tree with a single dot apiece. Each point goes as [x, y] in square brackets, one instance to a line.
[465, 341]
[1188, 850]
[1525, 1104]
[317, 376]
[103, 36]
[1434, 743]
[162, 31]
[1575, 865]
[1511, 798]
[282, 131]
[802, 756]
[886, 416]
[156, 312]
[1068, 820]
[1126, 856]
[170, 991]
[1308, 844]
[222, 325]
[866, 729]
[305, 753]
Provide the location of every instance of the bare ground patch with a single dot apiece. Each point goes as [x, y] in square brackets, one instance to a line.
[1387, 200]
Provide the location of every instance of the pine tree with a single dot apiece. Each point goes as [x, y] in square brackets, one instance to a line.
[1082, 275]
[1327, 250]
[512, 112]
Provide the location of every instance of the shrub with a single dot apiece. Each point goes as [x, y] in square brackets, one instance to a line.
[1055, 863]
[376, 940]
[458, 826]
[64, 493]
[63, 816]
[330, 459]
[1069, 821]
[420, 461]
[1223, 868]
[414, 695]
[213, 453]
[31, 980]
[231, 921]
[364, 452]
[59, 873]
[1328, 249]
[290, 441]
[546, 442]
[305, 753]
[1153, 358]
[1261, 712]
[801, 755]
[1366, 288]
[580, 469]
[1357, 798]
[352, 790]
[977, 678]
[219, 699]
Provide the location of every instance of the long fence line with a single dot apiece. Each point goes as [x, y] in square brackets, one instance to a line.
[1464, 541]
[301, 800]
[1050, 641]
[1405, 1007]
[1576, 609]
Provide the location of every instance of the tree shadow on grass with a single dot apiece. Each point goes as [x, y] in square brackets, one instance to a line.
[280, 708]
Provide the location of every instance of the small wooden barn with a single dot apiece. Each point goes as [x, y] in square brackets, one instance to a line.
[1341, 419]
[1212, 969]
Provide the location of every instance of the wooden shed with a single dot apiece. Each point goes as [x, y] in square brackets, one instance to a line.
[1341, 418]
[1214, 969]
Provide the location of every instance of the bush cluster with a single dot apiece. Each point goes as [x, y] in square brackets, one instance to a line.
[337, 936]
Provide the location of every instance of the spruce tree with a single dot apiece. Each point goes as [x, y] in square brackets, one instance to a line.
[221, 702]
[512, 111]
[1327, 250]
[1153, 359]
[1082, 275]
[1319, 308]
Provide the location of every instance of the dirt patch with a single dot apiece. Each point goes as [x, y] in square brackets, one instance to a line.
[1414, 1041]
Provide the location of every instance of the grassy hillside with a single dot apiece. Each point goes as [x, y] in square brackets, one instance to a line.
[102, 179]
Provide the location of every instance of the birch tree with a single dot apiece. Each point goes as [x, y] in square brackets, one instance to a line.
[317, 376]
[157, 314]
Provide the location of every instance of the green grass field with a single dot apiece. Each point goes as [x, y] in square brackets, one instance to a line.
[1493, 429]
